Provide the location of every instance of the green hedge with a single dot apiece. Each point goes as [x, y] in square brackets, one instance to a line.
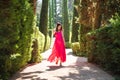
[37, 45]
[77, 50]
[67, 44]
[104, 46]
[48, 42]
[16, 36]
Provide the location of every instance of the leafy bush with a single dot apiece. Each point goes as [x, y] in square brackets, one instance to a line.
[16, 29]
[104, 45]
[48, 43]
[67, 44]
[75, 48]
[38, 45]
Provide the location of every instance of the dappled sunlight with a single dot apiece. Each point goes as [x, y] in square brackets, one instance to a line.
[75, 68]
[70, 59]
[86, 68]
[86, 71]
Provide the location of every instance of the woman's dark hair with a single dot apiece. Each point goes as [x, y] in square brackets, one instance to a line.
[58, 24]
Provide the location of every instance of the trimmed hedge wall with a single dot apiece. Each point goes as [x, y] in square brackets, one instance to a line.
[76, 49]
[104, 46]
[20, 40]
[48, 42]
[67, 45]
[37, 45]
[15, 36]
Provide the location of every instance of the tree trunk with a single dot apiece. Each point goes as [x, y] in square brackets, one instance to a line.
[85, 24]
[50, 19]
[33, 3]
[75, 24]
[65, 21]
[55, 11]
[44, 19]
[97, 16]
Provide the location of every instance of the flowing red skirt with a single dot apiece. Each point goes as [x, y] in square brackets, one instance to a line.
[58, 50]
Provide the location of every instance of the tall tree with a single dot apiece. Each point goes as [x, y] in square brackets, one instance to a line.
[55, 11]
[66, 21]
[92, 13]
[16, 19]
[100, 11]
[95, 13]
[50, 18]
[75, 24]
[33, 3]
[85, 24]
[52, 15]
[44, 19]
[109, 8]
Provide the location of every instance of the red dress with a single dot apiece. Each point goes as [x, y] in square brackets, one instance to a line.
[58, 50]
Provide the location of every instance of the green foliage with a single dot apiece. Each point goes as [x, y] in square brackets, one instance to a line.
[47, 43]
[4, 68]
[16, 29]
[77, 50]
[117, 77]
[104, 46]
[65, 21]
[43, 26]
[44, 17]
[67, 44]
[40, 37]
[38, 45]
[75, 24]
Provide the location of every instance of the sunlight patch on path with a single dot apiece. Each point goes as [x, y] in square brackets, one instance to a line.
[75, 68]
[70, 59]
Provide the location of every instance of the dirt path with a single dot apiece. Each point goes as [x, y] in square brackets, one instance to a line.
[75, 68]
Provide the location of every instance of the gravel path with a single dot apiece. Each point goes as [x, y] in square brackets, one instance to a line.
[75, 68]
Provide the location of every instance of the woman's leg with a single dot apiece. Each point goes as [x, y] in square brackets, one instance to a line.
[57, 60]
[60, 63]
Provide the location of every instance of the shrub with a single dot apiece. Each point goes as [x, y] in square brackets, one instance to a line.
[37, 45]
[77, 50]
[48, 43]
[67, 44]
[75, 47]
[104, 46]
[16, 29]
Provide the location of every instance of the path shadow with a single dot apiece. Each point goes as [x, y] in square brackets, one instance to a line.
[52, 68]
[86, 71]
[29, 77]
[28, 73]
[70, 53]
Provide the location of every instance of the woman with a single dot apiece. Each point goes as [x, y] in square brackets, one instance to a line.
[58, 51]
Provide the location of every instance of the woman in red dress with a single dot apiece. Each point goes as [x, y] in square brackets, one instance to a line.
[58, 51]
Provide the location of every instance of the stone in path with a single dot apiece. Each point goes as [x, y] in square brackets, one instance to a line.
[75, 68]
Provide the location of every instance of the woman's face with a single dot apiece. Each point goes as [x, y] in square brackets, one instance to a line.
[59, 27]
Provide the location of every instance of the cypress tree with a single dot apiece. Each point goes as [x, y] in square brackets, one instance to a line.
[66, 21]
[44, 19]
[75, 25]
